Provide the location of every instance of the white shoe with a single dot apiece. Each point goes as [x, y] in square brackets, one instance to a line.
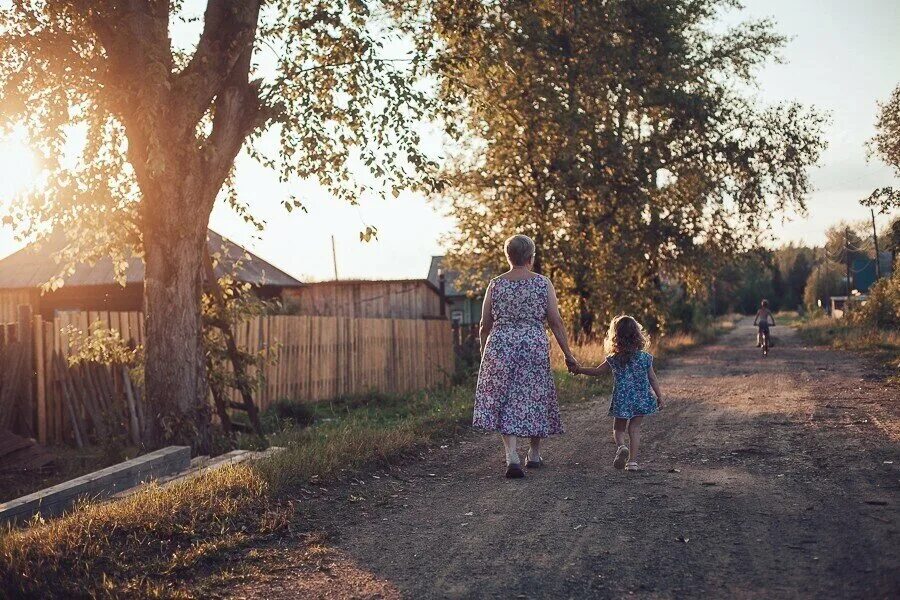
[632, 466]
[621, 457]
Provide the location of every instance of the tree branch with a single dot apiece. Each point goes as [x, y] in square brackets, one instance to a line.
[226, 44]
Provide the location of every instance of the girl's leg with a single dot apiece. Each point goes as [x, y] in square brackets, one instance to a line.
[509, 443]
[621, 449]
[534, 449]
[619, 431]
[634, 436]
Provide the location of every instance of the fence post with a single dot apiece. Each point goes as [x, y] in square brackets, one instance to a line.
[41, 376]
[25, 331]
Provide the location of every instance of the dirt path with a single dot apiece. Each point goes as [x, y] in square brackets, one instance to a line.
[765, 478]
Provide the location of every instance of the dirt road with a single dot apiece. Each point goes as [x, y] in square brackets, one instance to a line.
[767, 477]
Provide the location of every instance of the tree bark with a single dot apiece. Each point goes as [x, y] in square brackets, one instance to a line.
[175, 371]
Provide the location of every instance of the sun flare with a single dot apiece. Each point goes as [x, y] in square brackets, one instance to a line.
[18, 168]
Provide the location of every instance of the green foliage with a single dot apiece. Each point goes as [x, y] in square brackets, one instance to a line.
[886, 145]
[621, 137]
[826, 280]
[882, 308]
[311, 89]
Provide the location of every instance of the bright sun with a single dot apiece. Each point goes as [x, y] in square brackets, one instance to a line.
[18, 167]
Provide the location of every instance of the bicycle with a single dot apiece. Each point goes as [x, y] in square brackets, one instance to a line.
[764, 333]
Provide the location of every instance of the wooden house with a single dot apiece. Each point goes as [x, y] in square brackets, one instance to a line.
[92, 287]
[359, 298]
[464, 307]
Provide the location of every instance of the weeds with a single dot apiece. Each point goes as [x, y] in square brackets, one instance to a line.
[881, 344]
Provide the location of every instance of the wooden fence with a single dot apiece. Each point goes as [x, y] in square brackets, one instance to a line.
[314, 358]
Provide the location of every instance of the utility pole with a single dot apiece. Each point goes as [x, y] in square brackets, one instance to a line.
[877, 254]
[847, 258]
[334, 258]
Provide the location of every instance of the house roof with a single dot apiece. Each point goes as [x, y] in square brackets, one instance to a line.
[450, 288]
[36, 264]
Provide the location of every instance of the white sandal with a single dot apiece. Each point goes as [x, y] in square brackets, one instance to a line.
[632, 466]
[621, 457]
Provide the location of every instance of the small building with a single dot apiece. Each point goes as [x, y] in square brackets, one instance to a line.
[839, 305]
[362, 298]
[464, 308]
[93, 287]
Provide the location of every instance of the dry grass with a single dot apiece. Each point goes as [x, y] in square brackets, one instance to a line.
[593, 353]
[136, 546]
[882, 344]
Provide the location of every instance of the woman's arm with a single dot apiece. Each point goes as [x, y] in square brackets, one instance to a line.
[600, 369]
[554, 319]
[487, 318]
[654, 383]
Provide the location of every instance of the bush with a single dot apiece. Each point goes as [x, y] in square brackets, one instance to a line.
[882, 309]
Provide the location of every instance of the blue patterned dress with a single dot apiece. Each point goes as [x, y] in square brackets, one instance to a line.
[516, 394]
[631, 395]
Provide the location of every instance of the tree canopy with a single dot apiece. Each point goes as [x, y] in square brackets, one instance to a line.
[622, 136]
[322, 89]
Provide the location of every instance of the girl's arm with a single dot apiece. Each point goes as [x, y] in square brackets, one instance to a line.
[772, 316]
[487, 318]
[554, 319]
[654, 383]
[597, 371]
[756, 320]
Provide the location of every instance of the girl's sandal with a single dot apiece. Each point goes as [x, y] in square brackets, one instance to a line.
[632, 466]
[621, 457]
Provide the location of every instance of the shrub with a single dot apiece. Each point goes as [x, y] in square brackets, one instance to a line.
[882, 309]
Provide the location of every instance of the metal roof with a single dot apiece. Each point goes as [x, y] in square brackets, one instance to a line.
[36, 264]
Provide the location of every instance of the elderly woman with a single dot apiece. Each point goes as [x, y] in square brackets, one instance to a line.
[516, 395]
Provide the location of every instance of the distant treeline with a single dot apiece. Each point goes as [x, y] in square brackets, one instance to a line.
[800, 277]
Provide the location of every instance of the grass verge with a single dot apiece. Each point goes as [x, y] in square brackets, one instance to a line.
[141, 545]
[880, 344]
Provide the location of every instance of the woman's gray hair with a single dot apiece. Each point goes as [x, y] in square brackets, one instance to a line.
[519, 250]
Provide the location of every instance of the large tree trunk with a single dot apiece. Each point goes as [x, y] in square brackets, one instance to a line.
[175, 371]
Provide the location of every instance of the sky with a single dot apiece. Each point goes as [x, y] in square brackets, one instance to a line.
[842, 57]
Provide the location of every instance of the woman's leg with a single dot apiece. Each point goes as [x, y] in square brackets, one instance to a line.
[509, 443]
[619, 431]
[534, 449]
[634, 436]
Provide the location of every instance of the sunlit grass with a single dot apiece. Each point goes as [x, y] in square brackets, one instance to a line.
[884, 345]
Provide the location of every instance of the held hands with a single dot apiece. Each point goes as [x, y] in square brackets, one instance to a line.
[573, 365]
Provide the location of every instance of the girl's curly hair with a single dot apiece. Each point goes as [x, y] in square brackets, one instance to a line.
[625, 337]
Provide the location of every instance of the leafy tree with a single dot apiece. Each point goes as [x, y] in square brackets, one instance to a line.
[825, 281]
[307, 87]
[621, 136]
[886, 145]
[794, 263]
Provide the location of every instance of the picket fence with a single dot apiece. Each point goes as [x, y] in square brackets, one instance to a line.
[313, 358]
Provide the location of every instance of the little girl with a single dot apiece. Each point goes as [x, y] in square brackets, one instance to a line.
[632, 370]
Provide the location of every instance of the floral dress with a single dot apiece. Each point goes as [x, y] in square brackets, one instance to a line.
[515, 394]
[631, 395]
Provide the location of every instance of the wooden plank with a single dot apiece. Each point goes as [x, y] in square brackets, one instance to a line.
[99, 484]
[40, 364]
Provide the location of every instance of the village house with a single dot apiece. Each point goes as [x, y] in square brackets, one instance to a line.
[464, 308]
[92, 287]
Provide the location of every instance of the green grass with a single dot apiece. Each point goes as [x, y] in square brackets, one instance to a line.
[138, 546]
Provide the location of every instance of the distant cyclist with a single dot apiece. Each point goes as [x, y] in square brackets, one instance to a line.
[763, 320]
